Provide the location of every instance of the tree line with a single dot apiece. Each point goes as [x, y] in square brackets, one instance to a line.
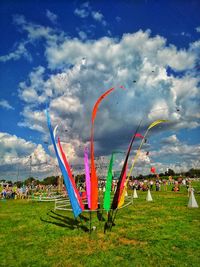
[80, 178]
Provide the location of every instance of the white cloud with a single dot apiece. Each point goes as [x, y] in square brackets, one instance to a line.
[186, 34]
[107, 61]
[172, 139]
[83, 69]
[19, 19]
[32, 91]
[81, 12]
[19, 52]
[118, 19]
[86, 10]
[180, 149]
[21, 158]
[4, 104]
[51, 16]
[178, 60]
[36, 31]
[143, 158]
[198, 29]
[173, 154]
[98, 17]
[34, 119]
[66, 105]
[73, 149]
[82, 35]
[11, 145]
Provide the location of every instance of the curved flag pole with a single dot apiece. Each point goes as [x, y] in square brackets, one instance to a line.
[66, 164]
[120, 184]
[121, 201]
[137, 155]
[107, 194]
[117, 193]
[153, 124]
[87, 177]
[72, 196]
[94, 179]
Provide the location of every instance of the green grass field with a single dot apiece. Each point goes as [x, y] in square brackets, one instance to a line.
[160, 233]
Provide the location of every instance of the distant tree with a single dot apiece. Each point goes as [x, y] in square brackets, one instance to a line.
[140, 177]
[29, 180]
[51, 180]
[193, 173]
[37, 182]
[170, 172]
[18, 184]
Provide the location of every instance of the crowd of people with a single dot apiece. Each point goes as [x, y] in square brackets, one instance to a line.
[27, 191]
[8, 191]
[157, 184]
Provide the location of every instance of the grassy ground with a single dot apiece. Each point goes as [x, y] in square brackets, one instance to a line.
[160, 233]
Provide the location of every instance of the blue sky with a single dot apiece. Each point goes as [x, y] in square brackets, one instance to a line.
[66, 54]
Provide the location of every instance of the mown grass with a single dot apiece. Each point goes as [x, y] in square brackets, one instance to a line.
[160, 233]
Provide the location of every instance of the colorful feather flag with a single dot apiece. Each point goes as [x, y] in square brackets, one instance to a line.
[139, 135]
[106, 203]
[153, 124]
[94, 179]
[66, 164]
[120, 183]
[87, 177]
[122, 192]
[70, 190]
[137, 155]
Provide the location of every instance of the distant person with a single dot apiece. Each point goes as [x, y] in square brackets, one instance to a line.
[165, 185]
[151, 184]
[157, 185]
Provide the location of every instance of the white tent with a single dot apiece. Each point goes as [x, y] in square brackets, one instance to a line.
[135, 193]
[192, 201]
[149, 197]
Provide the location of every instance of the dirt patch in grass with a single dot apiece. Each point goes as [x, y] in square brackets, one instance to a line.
[126, 241]
[83, 245]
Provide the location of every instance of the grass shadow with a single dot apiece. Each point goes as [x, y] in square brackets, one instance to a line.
[64, 221]
[100, 216]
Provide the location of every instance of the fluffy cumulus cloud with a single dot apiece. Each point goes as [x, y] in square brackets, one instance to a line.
[160, 81]
[11, 145]
[21, 158]
[175, 154]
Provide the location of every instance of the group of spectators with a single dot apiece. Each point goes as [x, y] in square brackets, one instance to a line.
[13, 192]
[153, 184]
[158, 183]
[8, 191]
